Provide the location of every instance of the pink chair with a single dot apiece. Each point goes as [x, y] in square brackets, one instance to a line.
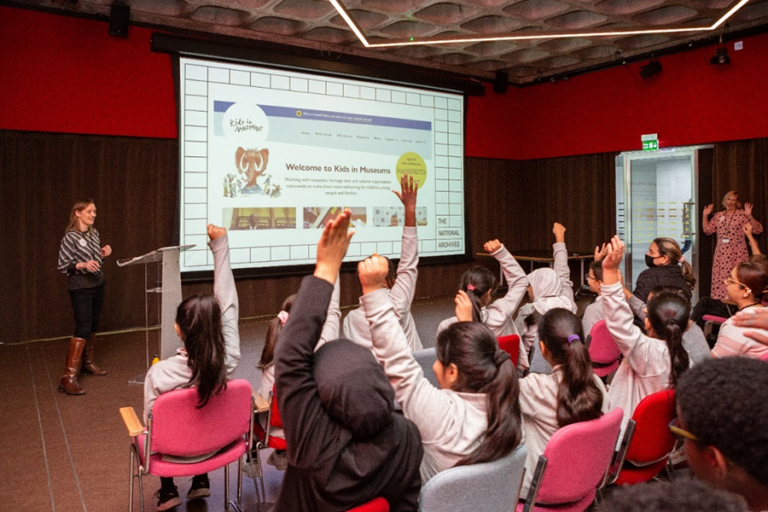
[375, 505]
[603, 351]
[511, 345]
[176, 428]
[650, 445]
[574, 465]
[764, 357]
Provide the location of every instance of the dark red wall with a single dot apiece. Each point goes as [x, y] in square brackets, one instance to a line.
[63, 74]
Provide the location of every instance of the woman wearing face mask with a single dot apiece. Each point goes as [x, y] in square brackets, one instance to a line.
[731, 246]
[666, 267]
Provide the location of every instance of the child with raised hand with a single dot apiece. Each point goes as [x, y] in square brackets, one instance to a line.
[652, 362]
[477, 287]
[346, 443]
[548, 288]
[475, 416]
[207, 324]
[570, 394]
[401, 282]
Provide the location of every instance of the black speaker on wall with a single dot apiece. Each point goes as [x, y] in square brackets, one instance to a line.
[500, 82]
[119, 15]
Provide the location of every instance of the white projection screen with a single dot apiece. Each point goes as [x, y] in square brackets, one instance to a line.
[272, 155]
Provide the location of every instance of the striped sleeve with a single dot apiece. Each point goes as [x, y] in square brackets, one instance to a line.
[68, 253]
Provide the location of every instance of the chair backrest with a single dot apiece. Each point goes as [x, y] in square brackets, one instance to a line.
[603, 350]
[426, 358]
[578, 458]
[180, 428]
[375, 505]
[652, 440]
[274, 413]
[492, 486]
[511, 345]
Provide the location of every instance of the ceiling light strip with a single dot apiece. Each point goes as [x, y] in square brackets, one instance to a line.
[344, 14]
[729, 14]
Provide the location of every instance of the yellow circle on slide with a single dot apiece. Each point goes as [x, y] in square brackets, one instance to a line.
[413, 165]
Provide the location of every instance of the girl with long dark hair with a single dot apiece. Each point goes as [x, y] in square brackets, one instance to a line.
[207, 324]
[652, 362]
[475, 416]
[476, 291]
[570, 394]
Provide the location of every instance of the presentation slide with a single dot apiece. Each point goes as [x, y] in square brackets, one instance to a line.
[273, 155]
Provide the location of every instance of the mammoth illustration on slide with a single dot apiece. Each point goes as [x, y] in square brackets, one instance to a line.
[252, 163]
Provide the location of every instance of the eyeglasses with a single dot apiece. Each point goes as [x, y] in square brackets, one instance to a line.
[588, 277]
[730, 280]
[680, 433]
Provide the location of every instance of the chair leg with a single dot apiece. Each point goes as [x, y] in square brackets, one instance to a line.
[239, 480]
[130, 486]
[226, 487]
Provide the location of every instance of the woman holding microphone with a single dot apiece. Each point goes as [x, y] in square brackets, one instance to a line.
[81, 257]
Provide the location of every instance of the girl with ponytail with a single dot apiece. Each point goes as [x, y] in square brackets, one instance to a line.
[652, 362]
[570, 394]
[477, 287]
[666, 267]
[475, 416]
[207, 325]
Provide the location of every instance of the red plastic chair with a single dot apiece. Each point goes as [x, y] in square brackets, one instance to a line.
[176, 427]
[651, 443]
[511, 345]
[375, 505]
[265, 440]
[603, 351]
[574, 465]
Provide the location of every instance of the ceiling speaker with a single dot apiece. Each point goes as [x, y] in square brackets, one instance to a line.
[500, 82]
[119, 16]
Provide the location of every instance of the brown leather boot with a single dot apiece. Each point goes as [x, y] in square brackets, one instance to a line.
[88, 365]
[69, 383]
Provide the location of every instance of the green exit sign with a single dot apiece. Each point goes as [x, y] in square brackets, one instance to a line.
[650, 142]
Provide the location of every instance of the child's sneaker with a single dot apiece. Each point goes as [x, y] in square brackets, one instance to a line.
[167, 498]
[279, 459]
[201, 488]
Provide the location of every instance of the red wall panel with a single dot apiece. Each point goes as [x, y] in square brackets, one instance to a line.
[68, 75]
[64, 74]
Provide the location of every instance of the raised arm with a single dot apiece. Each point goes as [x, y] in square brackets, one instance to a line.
[225, 290]
[297, 396]
[333, 319]
[618, 316]
[757, 228]
[422, 403]
[403, 290]
[502, 309]
[560, 254]
[709, 227]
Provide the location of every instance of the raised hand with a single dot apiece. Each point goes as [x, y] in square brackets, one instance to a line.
[600, 252]
[748, 210]
[407, 195]
[106, 251]
[215, 232]
[463, 306]
[708, 210]
[372, 272]
[615, 255]
[559, 231]
[332, 247]
[492, 246]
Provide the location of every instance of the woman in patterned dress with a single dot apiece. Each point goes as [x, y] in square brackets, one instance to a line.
[731, 244]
